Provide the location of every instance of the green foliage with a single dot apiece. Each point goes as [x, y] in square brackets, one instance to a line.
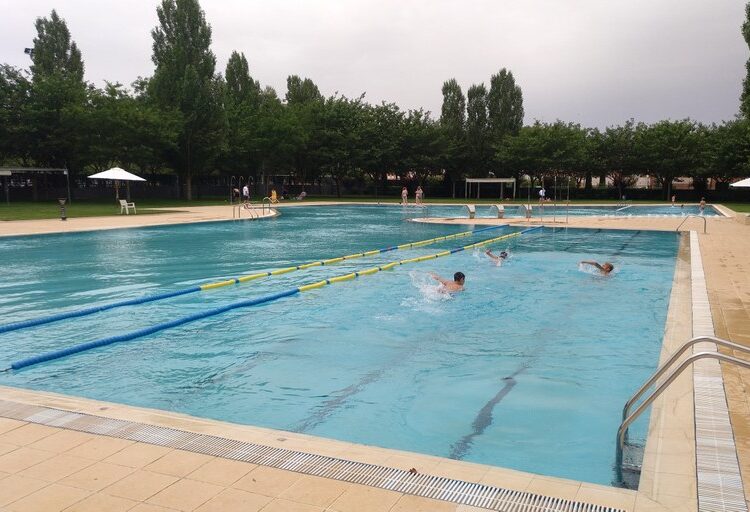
[745, 97]
[184, 80]
[191, 121]
[479, 156]
[504, 105]
[54, 52]
[300, 92]
[667, 149]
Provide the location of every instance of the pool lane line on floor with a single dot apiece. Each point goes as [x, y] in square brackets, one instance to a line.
[484, 418]
[15, 326]
[57, 354]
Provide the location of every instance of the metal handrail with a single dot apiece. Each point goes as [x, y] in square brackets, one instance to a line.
[693, 215]
[658, 391]
[665, 366]
[263, 205]
[237, 210]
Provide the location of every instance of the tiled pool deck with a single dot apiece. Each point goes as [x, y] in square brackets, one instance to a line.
[51, 468]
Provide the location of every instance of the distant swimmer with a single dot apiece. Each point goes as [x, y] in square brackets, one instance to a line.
[448, 286]
[497, 259]
[604, 269]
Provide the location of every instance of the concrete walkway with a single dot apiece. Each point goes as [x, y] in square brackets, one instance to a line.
[181, 215]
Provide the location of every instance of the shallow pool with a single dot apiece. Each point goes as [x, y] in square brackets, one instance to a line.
[528, 368]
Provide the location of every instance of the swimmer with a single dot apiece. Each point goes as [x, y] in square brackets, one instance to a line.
[604, 269]
[497, 259]
[447, 286]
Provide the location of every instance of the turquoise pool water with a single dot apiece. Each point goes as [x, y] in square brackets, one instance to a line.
[528, 368]
[549, 210]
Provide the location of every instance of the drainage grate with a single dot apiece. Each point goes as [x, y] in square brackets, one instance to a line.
[427, 486]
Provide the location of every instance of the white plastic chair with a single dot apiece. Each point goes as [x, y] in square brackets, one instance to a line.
[125, 206]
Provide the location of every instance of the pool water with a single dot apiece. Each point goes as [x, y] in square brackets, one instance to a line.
[528, 368]
[550, 210]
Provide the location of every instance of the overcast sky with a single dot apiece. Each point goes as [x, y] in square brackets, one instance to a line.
[597, 62]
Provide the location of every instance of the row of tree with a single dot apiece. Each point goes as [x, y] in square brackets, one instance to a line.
[191, 120]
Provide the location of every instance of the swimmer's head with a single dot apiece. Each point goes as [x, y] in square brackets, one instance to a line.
[459, 277]
[503, 254]
[608, 267]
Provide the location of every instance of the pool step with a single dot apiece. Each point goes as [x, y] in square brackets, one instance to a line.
[632, 460]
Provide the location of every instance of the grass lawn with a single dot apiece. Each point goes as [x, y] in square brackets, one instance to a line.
[738, 207]
[50, 209]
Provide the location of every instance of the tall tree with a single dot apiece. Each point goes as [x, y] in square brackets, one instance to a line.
[184, 81]
[504, 105]
[55, 115]
[453, 111]
[301, 91]
[241, 88]
[476, 128]
[453, 126]
[54, 52]
[745, 98]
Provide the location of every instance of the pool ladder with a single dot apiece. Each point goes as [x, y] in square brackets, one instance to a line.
[237, 211]
[693, 215]
[629, 456]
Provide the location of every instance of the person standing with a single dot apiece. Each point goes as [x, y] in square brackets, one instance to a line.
[419, 195]
[674, 199]
[404, 196]
[542, 193]
[702, 205]
[246, 193]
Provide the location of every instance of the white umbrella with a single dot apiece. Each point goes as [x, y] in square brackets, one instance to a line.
[742, 183]
[118, 175]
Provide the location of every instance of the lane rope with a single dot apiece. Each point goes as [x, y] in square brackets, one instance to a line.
[15, 326]
[57, 354]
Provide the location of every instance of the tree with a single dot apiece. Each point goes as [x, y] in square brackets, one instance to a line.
[617, 153]
[453, 126]
[15, 88]
[667, 149]
[504, 106]
[184, 80]
[241, 151]
[126, 131]
[299, 91]
[728, 154]
[240, 86]
[54, 115]
[54, 52]
[479, 155]
[745, 97]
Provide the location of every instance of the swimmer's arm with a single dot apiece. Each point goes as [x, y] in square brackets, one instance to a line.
[489, 254]
[593, 263]
[438, 278]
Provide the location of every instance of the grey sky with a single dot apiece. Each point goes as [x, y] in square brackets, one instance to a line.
[597, 62]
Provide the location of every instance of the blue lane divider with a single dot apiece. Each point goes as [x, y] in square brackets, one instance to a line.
[57, 354]
[95, 309]
[15, 326]
[148, 330]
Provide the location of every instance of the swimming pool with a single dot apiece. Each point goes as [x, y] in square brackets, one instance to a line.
[550, 210]
[528, 368]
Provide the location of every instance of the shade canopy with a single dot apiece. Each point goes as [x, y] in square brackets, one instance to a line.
[742, 183]
[116, 173]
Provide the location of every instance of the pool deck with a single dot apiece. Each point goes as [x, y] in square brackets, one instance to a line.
[181, 215]
[50, 468]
